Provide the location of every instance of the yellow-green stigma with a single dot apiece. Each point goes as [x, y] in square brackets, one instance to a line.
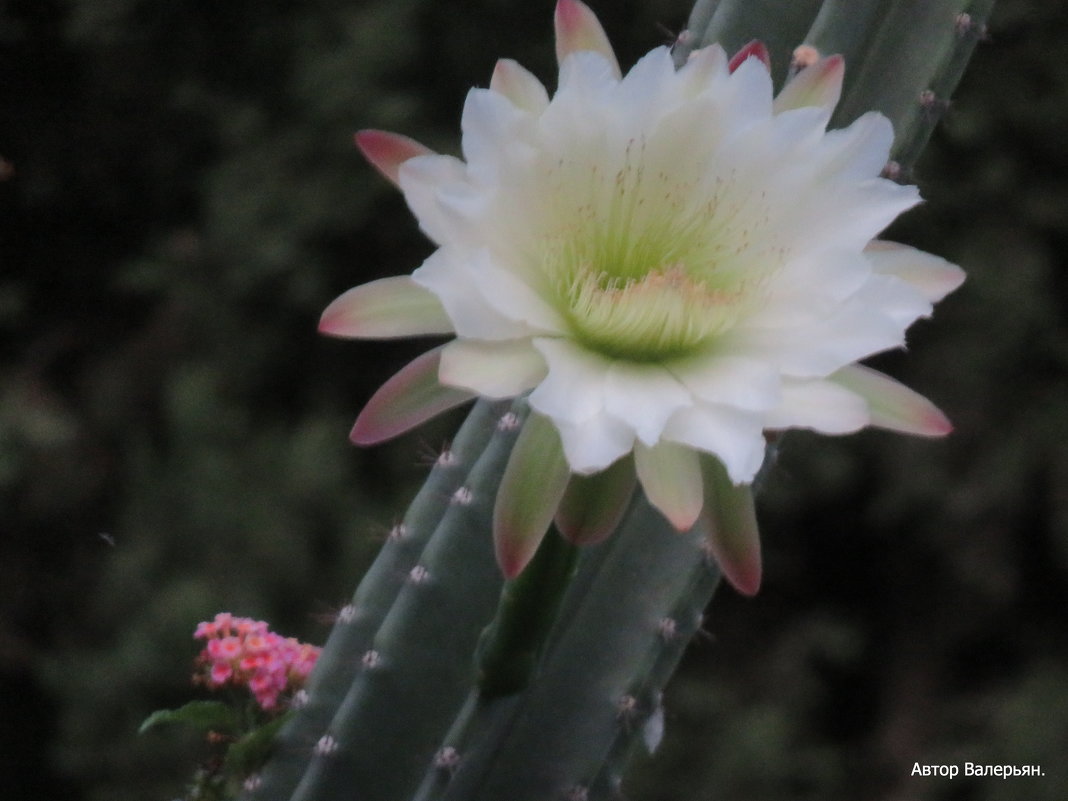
[664, 314]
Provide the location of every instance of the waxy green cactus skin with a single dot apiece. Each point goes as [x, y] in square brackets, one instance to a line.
[400, 707]
[601, 676]
[358, 623]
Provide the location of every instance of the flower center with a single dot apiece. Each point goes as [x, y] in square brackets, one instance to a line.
[662, 314]
[647, 269]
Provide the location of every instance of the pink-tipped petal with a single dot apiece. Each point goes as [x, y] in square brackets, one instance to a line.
[593, 506]
[733, 535]
[388, 307]
[409, 398]
[534, 481]
[893, 405]
[933, 276]
[819, 84]
[755, 49]
[577, 28]
[671, 477]
[519, 85]
[387, 151]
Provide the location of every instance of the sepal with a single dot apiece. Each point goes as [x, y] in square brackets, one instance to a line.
[671, 477]
[755, 49]
[593, 505]
[387, 151]
[818, 84]
[893, 405]
[386, 308]
[577, 29]
[733, 535]
[409, 398]
[533, 484]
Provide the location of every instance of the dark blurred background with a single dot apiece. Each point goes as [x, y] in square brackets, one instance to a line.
[179, 200]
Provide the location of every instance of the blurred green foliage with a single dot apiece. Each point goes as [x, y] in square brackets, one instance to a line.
[181, 199]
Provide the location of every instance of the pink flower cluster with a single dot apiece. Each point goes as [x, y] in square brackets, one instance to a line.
[242, 652]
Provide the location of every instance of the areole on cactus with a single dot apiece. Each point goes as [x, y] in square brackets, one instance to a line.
[663, 312]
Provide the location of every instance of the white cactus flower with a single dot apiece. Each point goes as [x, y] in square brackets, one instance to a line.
[671, 262]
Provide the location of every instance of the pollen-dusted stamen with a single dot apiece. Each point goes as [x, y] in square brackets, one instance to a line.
[665, 313]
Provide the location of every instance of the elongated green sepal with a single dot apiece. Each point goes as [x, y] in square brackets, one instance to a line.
[893, 405]
[386, 308]
[671, 477]
[533, 484]
[593, 506]
[387, 151]
[409, 398]
[731, 527]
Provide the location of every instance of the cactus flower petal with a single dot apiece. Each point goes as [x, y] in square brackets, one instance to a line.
[670, 474]
[933, 276]
[388, 307]
[756, 50]
[671, 262]
[534, 481]
[493, 369]
[517, 84]
[733, 535]
[408, 399]
[818, 84]
[819, 404]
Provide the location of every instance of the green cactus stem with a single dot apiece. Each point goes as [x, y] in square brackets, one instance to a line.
[553, 740]
[903, 58]
[511, 646]
[344, 657]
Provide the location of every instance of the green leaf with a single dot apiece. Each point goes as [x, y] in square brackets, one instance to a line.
[203, 716]
[250, 752]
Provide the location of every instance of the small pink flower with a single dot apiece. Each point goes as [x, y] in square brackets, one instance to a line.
[221, 672]
[205, 630]
[244, 652]
[256, 643]
[226, 648]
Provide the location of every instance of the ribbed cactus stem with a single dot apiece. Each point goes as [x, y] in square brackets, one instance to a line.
[553, 740]
[646, 717]
[844, 27]
[511, 646]
[358, 621]
[906, 65]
